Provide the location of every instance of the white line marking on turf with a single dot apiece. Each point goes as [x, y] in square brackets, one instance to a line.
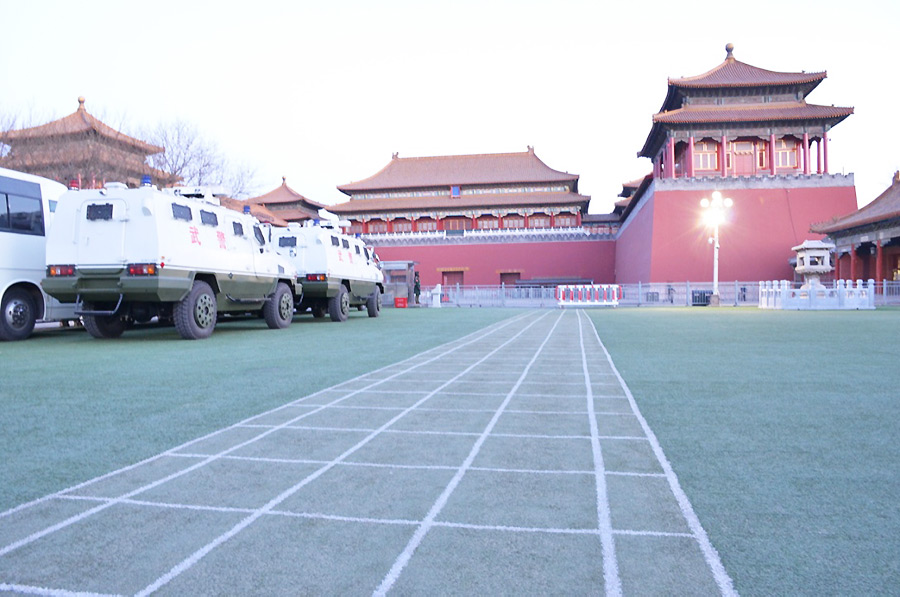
[475, 337]
[611, 580]
[392, 521]
[709, 552]
[191, 560]
[29, 590]
[403, 559]
[653, 534]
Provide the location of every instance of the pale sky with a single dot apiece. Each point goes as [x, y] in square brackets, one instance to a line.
[324, 92]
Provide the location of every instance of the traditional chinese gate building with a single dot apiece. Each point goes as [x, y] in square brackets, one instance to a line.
[750, 134]
[482, 219]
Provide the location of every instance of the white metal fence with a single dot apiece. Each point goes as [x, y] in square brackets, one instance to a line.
[675, 294]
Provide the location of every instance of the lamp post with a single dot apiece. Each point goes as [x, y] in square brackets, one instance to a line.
[713, 215]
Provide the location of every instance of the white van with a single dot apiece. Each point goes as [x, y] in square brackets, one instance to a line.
[127, 255]
[27, 204]
[338, 271]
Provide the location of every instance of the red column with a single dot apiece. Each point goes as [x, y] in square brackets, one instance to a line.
[819, 156]
[670, 158]
[837, 264]
[723, 165]
[578, 219]
[806, 167]
[772, 160]
[690, 157]
[852, 263]
[879, 261]
[825, 153]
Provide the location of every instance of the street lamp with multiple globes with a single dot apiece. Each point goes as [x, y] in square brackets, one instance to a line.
[713, 215]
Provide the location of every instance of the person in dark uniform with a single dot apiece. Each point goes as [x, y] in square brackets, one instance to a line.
[417, 287]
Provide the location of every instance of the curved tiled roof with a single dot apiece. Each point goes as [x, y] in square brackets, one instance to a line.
[80, 121]
[257, 211]
[484, 200]
[885, 207]
[751, 113]
[444, 171]
[284, 194]
[734, 73]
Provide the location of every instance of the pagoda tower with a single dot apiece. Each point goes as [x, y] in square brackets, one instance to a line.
[79, 147]
[749, 134]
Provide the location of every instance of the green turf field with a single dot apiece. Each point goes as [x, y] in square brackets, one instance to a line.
[73, 407]
[784, 430]
[781, 427]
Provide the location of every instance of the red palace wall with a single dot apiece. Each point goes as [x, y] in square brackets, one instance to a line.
[482, 264]
[755, 241]
[633, 246]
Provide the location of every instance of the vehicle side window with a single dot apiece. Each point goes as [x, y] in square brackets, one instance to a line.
[345, 243]
[238, 228]
[99, 211]
[357, 249]
[366, 252]
[181, 212]
[257, 233]
[287, 241]
[335, 241]
[209, 218]
[21, 214]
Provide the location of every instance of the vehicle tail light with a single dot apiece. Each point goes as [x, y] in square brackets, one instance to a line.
[315, 277]
[56, 271]
[142, 269]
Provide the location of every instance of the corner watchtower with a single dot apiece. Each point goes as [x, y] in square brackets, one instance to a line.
[740, 120]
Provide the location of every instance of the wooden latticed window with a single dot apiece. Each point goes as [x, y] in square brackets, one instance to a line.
[426, 225]
[786, 153]
[401, 226]
[377, 227]
[565, 221]
[539, 221]
[514, 222]
[706, 155]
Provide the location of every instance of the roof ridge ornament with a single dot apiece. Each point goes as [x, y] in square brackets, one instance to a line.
[81, 102]
[729, 51]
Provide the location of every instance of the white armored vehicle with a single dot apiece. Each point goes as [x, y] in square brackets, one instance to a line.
[27, 204]
[338, 271]
[126, 255]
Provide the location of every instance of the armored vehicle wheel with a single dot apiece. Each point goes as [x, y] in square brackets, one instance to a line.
[195, 314]
[103, 326]
[373, 303]
[339, 305]
[17, 315]
[319, 310]
[279, 308]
